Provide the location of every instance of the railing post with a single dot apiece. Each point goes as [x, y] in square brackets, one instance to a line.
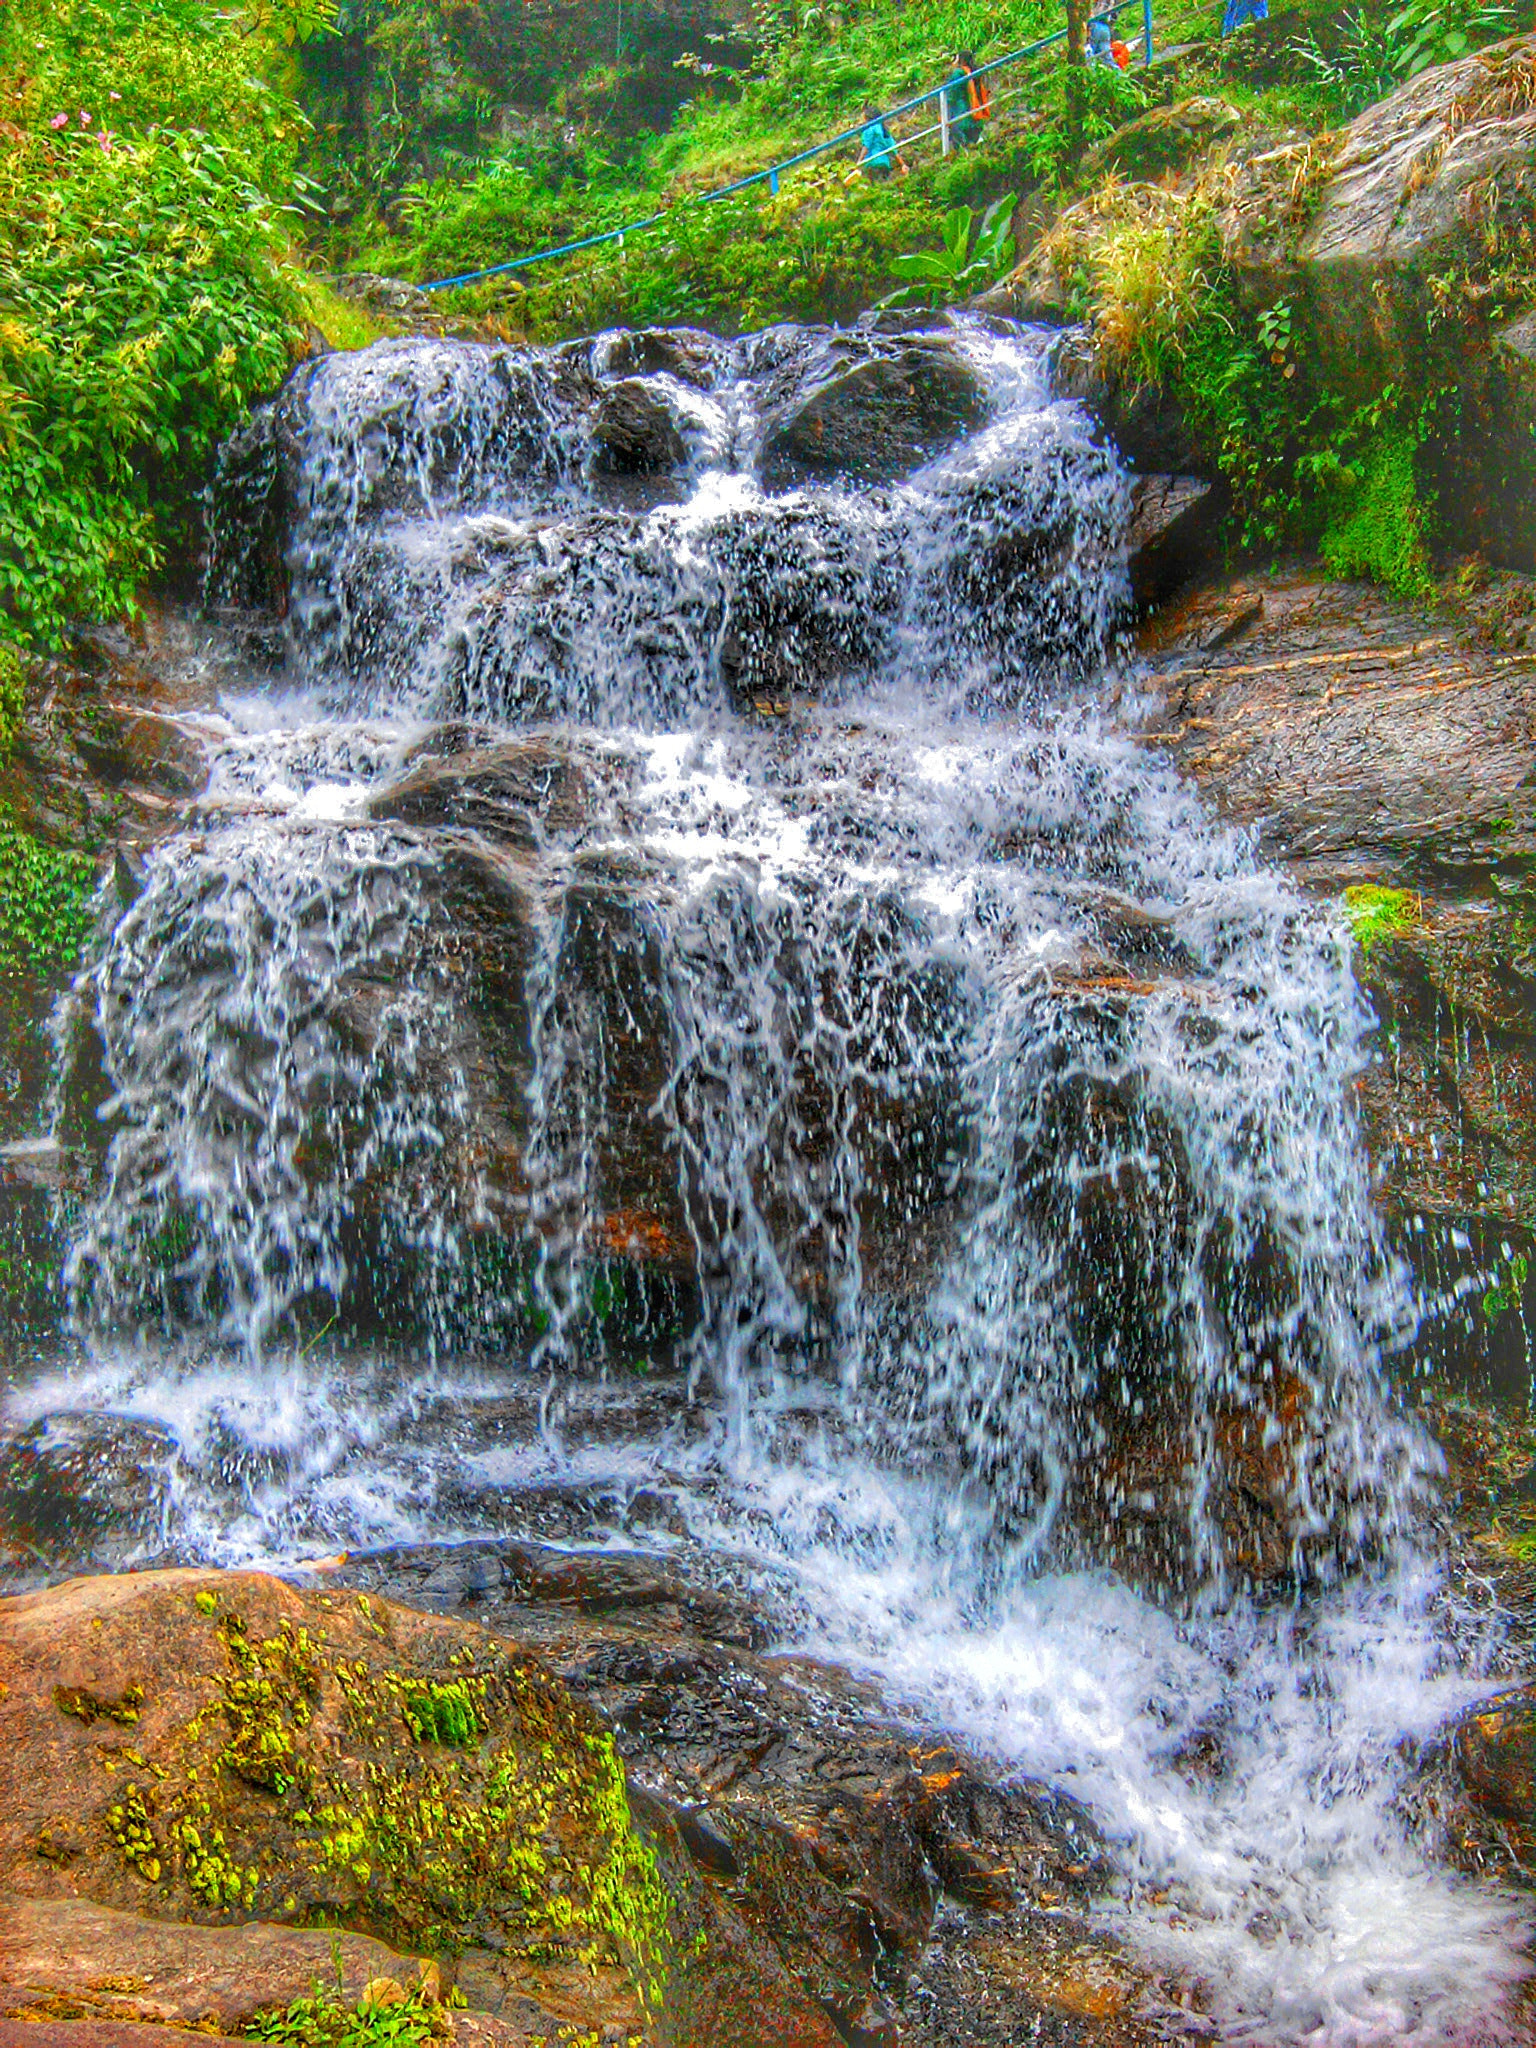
[944, 123]
[1146, 27]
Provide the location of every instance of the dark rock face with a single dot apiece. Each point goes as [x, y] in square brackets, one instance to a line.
[1149, 432]
[1417, 184]
[635, 431]
[876, 419]
[1173, 521]
[1370, 748]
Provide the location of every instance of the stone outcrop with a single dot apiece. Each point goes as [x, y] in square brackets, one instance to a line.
[1374, 750]
[198, 1765]
[1399, 249]
[874, 419]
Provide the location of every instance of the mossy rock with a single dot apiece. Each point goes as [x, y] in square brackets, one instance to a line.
[220, 1747]
[1165, 139]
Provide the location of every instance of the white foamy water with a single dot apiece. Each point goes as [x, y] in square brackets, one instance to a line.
[1004, 1100]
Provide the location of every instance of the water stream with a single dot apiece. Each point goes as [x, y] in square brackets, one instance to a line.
[679, 982]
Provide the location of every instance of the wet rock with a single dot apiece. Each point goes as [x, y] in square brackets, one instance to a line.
[217, 1747]
[1361, 740]
[76, 1487]
[517, 792]
[1173, 522]
[636, 432]
[685, 353]
[1375, 750]
[876, 420]
[43, 1163]
[1495, 1747]
[119, 1966]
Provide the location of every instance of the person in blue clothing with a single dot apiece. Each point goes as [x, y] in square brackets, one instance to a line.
[1239, 11]
[881, 156]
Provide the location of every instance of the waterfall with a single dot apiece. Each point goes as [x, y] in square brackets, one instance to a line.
[682, 914]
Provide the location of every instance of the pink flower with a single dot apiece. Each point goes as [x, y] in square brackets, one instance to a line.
[106, 142]
[59, 121]
[114, 95]
[85, 118]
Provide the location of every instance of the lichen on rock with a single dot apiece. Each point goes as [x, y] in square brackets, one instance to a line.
[322, 1759]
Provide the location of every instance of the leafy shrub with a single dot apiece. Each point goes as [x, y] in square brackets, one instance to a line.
[386, 2016]
[962, 263]
[1378, 48]
[141, 302]
[45, 904]
[1376, 523]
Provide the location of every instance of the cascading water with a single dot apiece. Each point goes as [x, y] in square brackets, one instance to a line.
[673, 910]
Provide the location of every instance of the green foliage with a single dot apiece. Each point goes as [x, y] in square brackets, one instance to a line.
[1507, 1288]
[1376, 914]
[141, 303]
[1375, 525]
[1379, 47]
[400, 2019]
[295, 21]
[961, 264]
[13, 696]
[45, 904]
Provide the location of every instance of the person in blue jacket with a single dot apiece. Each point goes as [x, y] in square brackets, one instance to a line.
[881, 156]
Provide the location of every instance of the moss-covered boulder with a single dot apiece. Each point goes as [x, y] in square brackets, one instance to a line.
[217, 1748]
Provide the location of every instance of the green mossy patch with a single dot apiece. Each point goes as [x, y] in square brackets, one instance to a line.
[334, 1761]
[1378, 915]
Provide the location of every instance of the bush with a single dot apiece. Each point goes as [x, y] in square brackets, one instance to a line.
[142, 306]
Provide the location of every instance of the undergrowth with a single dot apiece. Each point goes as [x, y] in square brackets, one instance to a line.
[45, 903]
[1377, 915]
[142, 300]
[386, 2016]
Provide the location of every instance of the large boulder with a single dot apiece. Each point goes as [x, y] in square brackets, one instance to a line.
[875, 419]
[1388, 762]
[1420, 187]
[217, 1749]
[235, 1761]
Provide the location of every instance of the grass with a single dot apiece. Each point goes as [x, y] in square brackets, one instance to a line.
[1377, 915]
[343, 322]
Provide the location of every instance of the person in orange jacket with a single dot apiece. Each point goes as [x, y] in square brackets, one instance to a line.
[968, 100]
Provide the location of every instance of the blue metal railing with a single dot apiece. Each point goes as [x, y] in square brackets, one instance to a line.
[770, 177]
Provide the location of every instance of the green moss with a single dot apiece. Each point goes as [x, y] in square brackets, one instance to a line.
[1375, 525]
[1377, 915]
[450, 1714]
[13, 694]
[344, 323]
[45, 904]
[84, 1705]
[129, 1826]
